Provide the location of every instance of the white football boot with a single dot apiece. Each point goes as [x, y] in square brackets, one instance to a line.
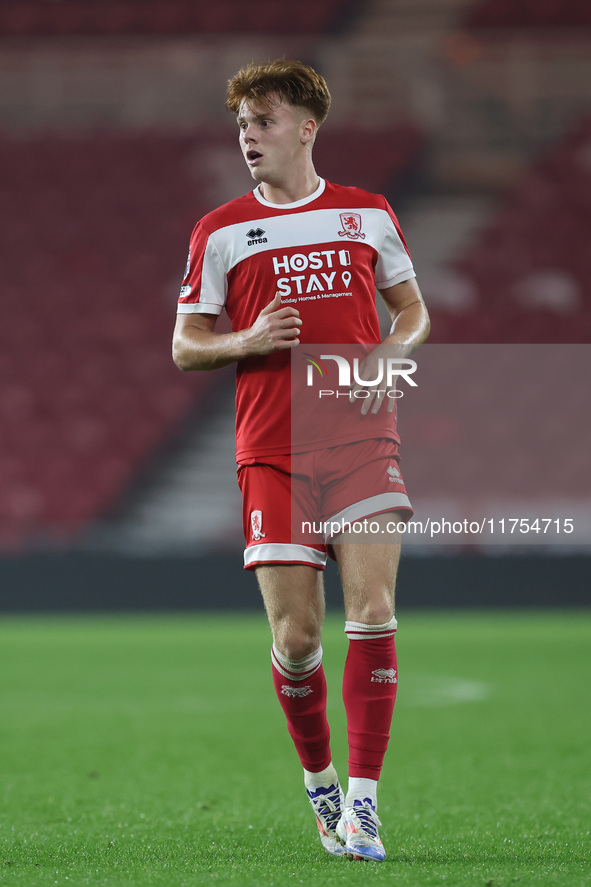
[358, 830]
[328, 805]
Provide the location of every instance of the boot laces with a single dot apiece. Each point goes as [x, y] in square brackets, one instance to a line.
[367, 817]
[328, 807]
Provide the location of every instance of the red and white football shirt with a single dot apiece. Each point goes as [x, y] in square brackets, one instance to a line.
[326, 255]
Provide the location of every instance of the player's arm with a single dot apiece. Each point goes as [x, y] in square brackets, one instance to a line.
[410, 328]
[410, 318]
[197, 346]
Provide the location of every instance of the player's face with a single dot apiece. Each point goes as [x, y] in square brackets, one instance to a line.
[272, 139]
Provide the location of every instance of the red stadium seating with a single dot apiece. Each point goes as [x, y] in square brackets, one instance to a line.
[497, 429]
[541, 14]
[69, 17]
[90, 271]
[531, 266]
[386, 154]
[90, 275]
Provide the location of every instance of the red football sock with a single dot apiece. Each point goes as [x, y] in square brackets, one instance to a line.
[369, 692]
[301, 690]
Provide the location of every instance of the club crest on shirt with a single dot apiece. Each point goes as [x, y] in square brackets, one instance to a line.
[256, 522]
[351, 223]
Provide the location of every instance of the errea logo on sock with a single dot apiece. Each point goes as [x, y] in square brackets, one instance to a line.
[295, 692]
[384, 676]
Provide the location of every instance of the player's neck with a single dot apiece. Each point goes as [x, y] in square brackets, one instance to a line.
[297, 188]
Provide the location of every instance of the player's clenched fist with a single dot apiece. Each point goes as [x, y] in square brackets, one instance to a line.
[275, 329]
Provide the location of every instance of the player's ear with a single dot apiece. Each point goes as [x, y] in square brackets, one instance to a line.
[308, 130]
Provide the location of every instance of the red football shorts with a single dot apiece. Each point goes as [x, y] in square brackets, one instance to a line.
[294, 504]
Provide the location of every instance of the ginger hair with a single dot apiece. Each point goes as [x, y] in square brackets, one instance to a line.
[291, 80]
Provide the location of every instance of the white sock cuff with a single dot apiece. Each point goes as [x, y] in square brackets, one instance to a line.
[324, 779]
[359, 789]
[296, 669]
[358, 631]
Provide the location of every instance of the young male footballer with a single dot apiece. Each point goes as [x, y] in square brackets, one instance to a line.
[296, 262]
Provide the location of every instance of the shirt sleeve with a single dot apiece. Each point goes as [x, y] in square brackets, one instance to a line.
[394, 263]
[205, 285]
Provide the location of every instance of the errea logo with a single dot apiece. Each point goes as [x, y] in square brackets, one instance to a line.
[296, 692]
[256, 236]
[395, 476]
[384, 676]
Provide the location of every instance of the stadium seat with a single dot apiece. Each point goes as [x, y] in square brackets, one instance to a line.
[531, 266]
[88, 390]
[542, 14]
[68, 17]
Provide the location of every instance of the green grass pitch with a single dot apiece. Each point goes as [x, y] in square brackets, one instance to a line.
[150, 750]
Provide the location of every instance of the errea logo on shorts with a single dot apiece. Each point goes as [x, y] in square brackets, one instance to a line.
[395, 476]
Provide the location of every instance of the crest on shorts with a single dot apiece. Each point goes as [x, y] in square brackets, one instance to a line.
[351, 223]
[256, 522]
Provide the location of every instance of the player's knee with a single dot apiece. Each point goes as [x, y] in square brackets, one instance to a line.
[296, 642]
[376, 610]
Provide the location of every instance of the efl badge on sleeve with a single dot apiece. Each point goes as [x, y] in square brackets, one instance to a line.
[256, 522]
[351, 223]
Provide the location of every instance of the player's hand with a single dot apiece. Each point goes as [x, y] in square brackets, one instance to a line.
[370, 395]
[275, 329]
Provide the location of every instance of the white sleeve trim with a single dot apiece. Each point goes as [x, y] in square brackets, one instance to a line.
[400, 278]
[198, 308]
[394, 264]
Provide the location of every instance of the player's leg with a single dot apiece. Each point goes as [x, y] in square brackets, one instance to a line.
[368, 573]
[293, 594]
[294, 601]
[289, 572]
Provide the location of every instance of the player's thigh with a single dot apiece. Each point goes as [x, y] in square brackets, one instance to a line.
[359, 480]
[276, 502]
[368, 567]
[294, 601]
